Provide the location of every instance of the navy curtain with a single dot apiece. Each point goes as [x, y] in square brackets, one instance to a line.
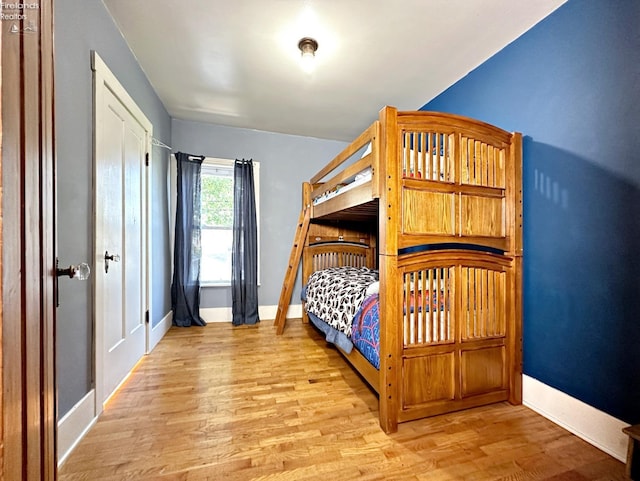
[185, 287]
[244, 251]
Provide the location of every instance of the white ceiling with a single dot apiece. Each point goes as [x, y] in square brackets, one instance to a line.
[236, 62]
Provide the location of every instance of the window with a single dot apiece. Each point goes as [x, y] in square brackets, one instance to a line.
[216, 199]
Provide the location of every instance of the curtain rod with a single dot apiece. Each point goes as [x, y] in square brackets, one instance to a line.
[157, 143]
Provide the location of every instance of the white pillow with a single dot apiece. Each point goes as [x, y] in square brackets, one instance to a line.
[373, 288]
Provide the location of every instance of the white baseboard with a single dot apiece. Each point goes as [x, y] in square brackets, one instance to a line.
[159, 330]
[594, 426]
[75, 424]
[268, 313]
[215, 314]
[223, 314]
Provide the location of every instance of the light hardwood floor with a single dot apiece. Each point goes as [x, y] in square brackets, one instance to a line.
[225, 403]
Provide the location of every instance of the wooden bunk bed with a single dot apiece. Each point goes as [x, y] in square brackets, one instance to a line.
[440, 219]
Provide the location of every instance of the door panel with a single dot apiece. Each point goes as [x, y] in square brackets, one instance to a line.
[120, 188]
[122, 139]
[132, 254]
[110, 189]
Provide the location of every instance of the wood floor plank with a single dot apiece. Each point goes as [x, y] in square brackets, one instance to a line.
[244, 404]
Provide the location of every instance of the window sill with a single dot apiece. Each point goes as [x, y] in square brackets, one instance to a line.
[218, 284]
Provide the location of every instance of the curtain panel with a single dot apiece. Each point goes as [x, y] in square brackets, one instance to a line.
[244, 251]
[185, 286]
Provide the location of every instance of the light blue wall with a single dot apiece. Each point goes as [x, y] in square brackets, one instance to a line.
[85, 25]
[82, 26]
[571, 85]
[285, 162]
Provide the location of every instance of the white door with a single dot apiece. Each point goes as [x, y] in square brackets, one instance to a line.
[122, 138]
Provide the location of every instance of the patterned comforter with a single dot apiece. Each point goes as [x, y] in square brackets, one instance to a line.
[336, 294]
[338, 304]
[365, 333]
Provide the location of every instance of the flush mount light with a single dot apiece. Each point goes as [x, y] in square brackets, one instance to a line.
[308, 47]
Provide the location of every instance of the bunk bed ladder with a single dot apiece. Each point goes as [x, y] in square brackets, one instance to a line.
[292, 269]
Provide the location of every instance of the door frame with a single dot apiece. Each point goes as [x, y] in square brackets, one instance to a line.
[27, 319]
[103, 78]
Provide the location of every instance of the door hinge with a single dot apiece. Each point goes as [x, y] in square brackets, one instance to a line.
[146, 159]
[146, 316]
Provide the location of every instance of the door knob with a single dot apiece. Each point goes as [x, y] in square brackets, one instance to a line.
[109, 257]
[80, 272]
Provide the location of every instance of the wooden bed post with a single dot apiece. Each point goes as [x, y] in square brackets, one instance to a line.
[390, 222]
[515, 200]
[306, 260]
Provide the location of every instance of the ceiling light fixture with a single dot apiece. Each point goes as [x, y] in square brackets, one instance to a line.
[308, 47]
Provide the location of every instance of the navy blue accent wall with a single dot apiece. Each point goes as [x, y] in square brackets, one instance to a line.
[571, 85]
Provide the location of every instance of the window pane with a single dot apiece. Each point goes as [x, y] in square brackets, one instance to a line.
[217, 200]
[217, 223]
[215, 265]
